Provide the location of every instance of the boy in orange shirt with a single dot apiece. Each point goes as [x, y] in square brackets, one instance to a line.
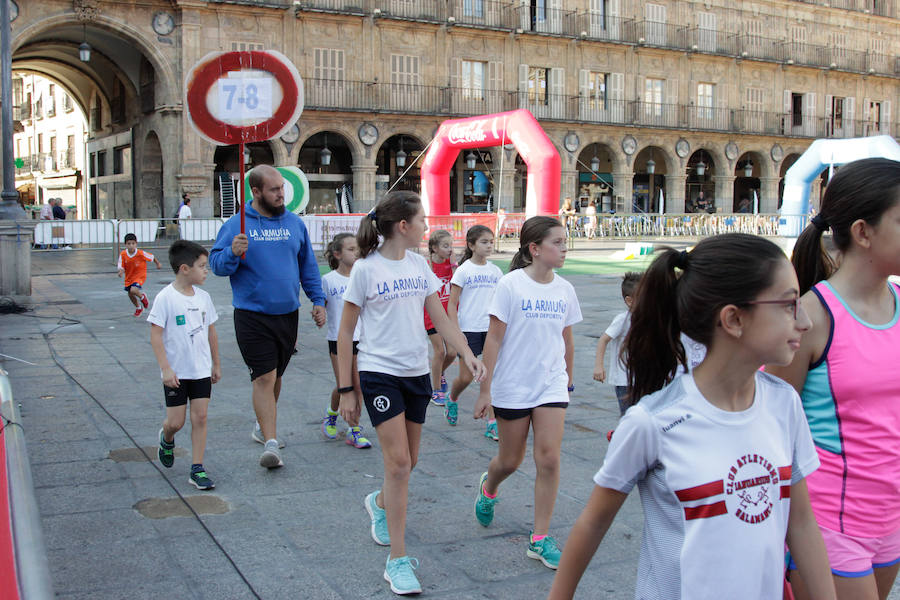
[133, 265]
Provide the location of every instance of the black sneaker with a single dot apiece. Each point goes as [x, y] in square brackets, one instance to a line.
[166, 451]
[201, 481]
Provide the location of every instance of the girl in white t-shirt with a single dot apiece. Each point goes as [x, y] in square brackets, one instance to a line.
[528, 356]
[719, 454]
[389, 288]
[340, 253]
[471, 291]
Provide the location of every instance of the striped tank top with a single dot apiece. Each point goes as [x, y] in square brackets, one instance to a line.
[851, 397]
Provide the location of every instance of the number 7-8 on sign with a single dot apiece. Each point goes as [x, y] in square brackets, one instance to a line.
[244, 98]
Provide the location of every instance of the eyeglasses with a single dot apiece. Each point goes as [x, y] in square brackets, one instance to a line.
[794, 303]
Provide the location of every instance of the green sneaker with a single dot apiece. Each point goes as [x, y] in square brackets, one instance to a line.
[451, 411]
[399, 573]
[166, 450]
[490, 431]
[484, 506]
[201, 481]
[329, 425]
[545, 550]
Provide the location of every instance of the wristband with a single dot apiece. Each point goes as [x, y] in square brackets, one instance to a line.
[572, 388]
[346, 390]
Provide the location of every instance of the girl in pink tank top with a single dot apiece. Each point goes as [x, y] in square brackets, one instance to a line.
[846, 374]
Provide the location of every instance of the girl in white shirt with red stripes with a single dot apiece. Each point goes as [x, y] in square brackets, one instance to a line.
[719, 454]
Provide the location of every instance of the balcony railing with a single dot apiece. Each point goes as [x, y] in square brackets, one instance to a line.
[883, 9]
[363, 96]
[22, 112]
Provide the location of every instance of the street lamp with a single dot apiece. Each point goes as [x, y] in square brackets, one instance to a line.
[651, 166]
[84, 50]
[748, 168]
[701, 166]
[325, 154]
[470, 160]
[401, 155]
[595, 163]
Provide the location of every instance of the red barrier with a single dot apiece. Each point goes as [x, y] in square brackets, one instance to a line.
[9, 587]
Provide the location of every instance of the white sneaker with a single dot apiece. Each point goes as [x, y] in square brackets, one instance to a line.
[257, 436]
[271, 457]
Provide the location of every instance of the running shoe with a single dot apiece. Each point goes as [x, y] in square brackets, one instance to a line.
[144, 301]
[399, 573]
[484, 506]
[490, 431]
[379, 520]
[201, 481]
[138, 311]
[438, 398]
[257, 436]
[355, 438]
[451, 411]
[443, 384]
[166, 450]
[329, 425]
[545, 550]
[271, 457]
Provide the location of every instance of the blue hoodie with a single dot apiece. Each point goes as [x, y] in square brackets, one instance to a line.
[279, 259]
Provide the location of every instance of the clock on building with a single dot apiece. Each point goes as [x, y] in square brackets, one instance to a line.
[777, 153]
[13, 11]
[571, 141]
[368, 134]
[682, 147]
[163, 23]
[629, 145]
[292, 135]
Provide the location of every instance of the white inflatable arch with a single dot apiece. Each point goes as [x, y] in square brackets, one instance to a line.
[818, 157]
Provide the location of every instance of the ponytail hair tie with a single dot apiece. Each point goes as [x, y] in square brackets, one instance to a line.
[682, 261]
[819, 223]
[372, 217]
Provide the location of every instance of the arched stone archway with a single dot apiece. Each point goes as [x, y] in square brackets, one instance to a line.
[651, 167]
[326, 158]
[595, 166]
[747, 183]
[150, 202]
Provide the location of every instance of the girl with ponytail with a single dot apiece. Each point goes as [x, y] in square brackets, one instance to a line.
[720, 453]
[528, 354]
[846, 373]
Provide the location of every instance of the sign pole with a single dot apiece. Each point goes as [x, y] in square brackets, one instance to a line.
[241, 161]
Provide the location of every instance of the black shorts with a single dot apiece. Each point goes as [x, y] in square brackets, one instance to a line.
[332, 347]
[476, 341]
[431, 331]
[266, 341]
[386, 396]
[511, 414]
[187, 389]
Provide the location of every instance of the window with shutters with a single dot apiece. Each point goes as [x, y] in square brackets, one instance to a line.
[117, 104]
[404, 81]
[597, 90]
[18, 91]
[754, 37]
[837, 115]
[51, 101]
[796, 110]
[68, 105]
[879, 59]
[873, 123]
[539, 14]
[706, 93]
[798, 43]
[755, 117]
[537, 85]
[473, 8]
[328, 77]
[655, 24]
[706, 31]
[473, 79]
[838, 43]
[653, 97]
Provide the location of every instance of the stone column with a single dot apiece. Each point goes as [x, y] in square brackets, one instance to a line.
[623, 184]
[568, 186]
[15, 258]
[768, 194]
[724, 193]
[363, 187]
[675, 194]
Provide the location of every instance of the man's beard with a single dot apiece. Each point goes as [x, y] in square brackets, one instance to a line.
[273, 210]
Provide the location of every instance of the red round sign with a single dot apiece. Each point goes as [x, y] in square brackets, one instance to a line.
[204, 75]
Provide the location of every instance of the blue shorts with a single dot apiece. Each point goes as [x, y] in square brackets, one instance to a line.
[131, 285]
[476, 341]
[387, 396]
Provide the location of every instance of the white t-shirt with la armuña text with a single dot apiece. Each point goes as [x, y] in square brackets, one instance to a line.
[477, 283]
[185, 321]
[391, 297]
[715, 487]
[334, 284]
[531, 363]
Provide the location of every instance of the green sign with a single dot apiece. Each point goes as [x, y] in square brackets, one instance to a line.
[20, 162]
[296, 189]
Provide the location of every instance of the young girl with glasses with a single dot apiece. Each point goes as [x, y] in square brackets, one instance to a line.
[719, 454]
[528, 355]
[388, 289]
[846, 373]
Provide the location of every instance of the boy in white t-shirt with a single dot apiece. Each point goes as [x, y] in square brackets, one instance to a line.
[187, 349]
[613, 337]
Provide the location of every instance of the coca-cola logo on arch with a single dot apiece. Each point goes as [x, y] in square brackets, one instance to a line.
[473, 131]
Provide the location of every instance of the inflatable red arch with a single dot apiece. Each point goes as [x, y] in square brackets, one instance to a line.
[517, 126]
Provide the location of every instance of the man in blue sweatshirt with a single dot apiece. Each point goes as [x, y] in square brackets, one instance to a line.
[265, 288]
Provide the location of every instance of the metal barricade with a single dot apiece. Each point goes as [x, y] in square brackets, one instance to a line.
[31, 568]
[73, 235]
[160, 233]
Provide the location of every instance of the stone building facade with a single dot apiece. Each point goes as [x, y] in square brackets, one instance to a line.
[647, 102]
